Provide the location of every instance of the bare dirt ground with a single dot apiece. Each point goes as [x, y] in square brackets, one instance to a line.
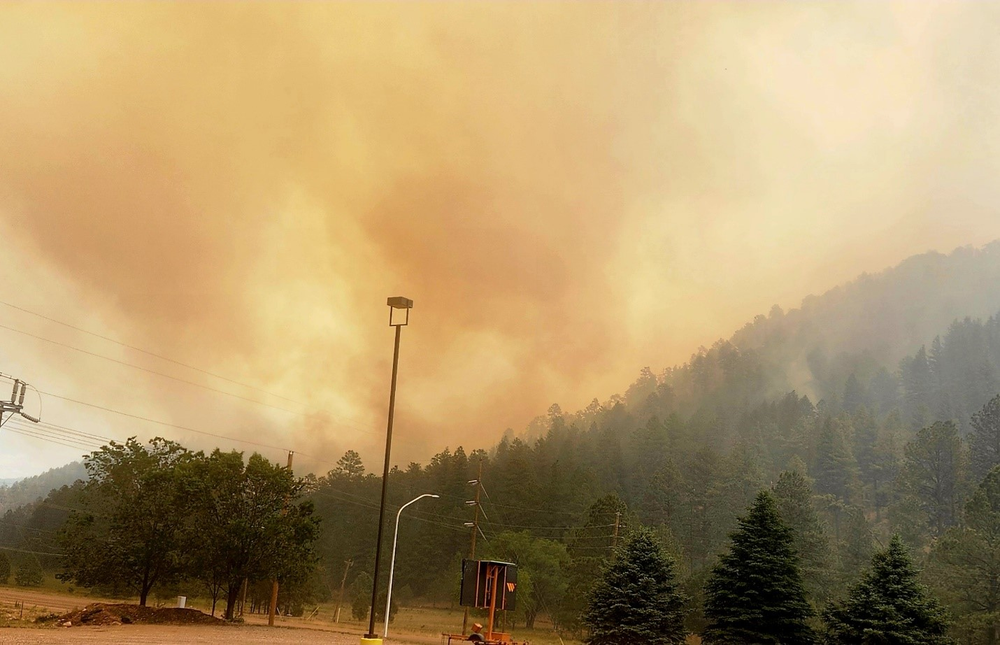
[56, 603]
[38, 602]
[173, 635]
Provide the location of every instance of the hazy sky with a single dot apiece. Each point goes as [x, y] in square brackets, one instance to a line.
[569, 192]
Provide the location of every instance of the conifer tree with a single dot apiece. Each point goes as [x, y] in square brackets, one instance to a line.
[932, 473]
[833, 463]
[637, 599]
[793, 495]
[887, 605]
[966, 561]
[755, 593]
[985, 440]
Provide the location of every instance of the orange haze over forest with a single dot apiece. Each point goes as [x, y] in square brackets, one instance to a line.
[568, 192]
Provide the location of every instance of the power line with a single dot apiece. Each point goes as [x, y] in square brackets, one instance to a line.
[50, 439]
[7, 548]
[74, 431]
[150, 371]
[63, 432]
[338, 419]
[167, 424]
[149, 353]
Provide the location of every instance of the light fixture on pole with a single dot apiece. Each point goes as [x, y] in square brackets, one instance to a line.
[392, 562]
[397, 302]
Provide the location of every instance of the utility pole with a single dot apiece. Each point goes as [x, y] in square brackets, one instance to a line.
[475, 529]
[614, 538]
[396, 302]
[274, 585]
[343, 583]
[16, 403]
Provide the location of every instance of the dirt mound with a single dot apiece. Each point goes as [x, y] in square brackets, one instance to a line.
[105, 614]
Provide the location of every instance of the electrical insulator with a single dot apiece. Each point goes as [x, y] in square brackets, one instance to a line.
[24, 388]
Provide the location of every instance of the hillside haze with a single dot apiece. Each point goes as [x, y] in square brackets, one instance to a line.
[865, 327]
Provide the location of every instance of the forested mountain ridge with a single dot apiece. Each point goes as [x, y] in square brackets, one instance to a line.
[865, 328]
[29, 489]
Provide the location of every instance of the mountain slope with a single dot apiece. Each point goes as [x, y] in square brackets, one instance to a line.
[31, 489]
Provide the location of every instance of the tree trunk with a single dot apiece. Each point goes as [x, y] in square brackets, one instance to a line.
[146, 584]
[230, 602]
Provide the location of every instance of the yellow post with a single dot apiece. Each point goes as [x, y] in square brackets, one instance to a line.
[493, 597]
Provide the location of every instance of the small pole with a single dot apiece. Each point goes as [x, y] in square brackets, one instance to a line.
[472, 544]
[343, 583]
[614, 538]
[274, 585]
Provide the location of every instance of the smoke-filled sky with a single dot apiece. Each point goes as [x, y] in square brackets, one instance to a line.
[568, 192]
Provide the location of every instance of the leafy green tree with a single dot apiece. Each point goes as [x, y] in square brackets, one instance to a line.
[755, 593]
[637, 599]
[985, 439]
[966, 560]
[793, 496]
[887, 605]
[247, 523]
[932, 473]
[361, 598]
[29, 574]
[544, 561]
[129, 535]
[4, 568]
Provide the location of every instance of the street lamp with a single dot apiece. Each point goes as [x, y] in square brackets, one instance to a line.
[397, 302]
[392, 564]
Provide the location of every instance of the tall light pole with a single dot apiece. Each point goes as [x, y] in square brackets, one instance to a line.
[392, 562]
[398, 302]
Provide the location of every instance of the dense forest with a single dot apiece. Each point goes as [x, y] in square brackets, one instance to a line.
[870, 412]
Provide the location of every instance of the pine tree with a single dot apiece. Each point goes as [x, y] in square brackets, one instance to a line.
[855, 396]
[967, 561]
[833, 463]
[856, 545]
[932, 473]
[755, 593]
[637, 599]
[887, 605]
[793, 495]
[985, 440]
